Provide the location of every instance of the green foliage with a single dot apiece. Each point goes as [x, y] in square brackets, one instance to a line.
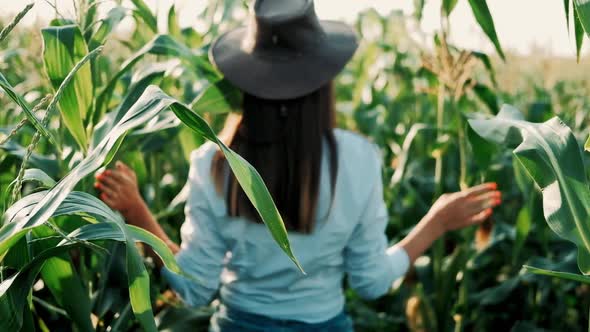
[68, 261]
[63, 47]
[484, 19]
[38, 219]
[552, 157]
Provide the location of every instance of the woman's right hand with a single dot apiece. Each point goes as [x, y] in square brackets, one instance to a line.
[465, 208]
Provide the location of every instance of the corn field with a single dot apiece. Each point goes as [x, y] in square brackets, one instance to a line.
[76, 95]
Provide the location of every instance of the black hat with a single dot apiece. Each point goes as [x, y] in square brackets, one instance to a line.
[285, 52]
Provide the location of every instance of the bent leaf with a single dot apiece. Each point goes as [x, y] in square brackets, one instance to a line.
[5, 85]
[151, 103]
[552, 157]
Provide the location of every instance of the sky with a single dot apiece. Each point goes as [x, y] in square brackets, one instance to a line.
[523, 26]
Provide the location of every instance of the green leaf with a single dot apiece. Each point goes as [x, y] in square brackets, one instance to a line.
[5, 85]
[566, 7]
[113, 228]
[142, 9]
[448, 6]
[487, 96]
[484, 19]
[218, 98]
[36, 175]
[189, 141]
[583, 8]
[587, 144]
[14, 290]
[8, 28]
[141, 235]
[483, 151]
[139, 289]
[523, 227]
[556, 274]
[160, 45]
[419, 9]
[140, 81]
[552, 157]
[106, 26]
[49, 165]
[579, 32]
[173, 27]
[485, 59]
[63, 281]
[141, 112]
[64, 47]
[249, 179]
[34, 210]
[498, 294]
[110, 229]
[76, 203]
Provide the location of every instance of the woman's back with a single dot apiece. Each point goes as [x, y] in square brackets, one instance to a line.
[256, 276]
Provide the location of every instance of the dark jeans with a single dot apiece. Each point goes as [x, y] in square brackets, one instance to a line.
[231, 320]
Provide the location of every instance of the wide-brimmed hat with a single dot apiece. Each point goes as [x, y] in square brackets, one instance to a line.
[285, 52]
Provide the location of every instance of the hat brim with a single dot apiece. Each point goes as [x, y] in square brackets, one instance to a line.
[284, 77]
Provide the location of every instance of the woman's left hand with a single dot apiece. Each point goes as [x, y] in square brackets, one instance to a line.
[119, 189]
[120, 192]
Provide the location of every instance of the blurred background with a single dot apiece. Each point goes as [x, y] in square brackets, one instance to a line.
[524, 27]
[423, 69]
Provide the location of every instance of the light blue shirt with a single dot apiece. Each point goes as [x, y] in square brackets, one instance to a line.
[240, 258]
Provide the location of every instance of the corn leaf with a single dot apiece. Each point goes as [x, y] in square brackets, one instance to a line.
[566, 7]
[484, 19]
[173, 27]
[220, 97]
[64, 47]
[583, 9]
[485, 59]
[142, 9]
[5, 85]
[419, 9]
[448, 6]
[552, 157]
[106, 26]
[249, 179]
[159, 45]
[29, 213]
[112, 228]
[556, 274]
[579, 32]
[64, 283]
[14, 290]
[36, 175]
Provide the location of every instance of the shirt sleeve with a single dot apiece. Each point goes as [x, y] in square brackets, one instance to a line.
[371, 266]
[202, 249]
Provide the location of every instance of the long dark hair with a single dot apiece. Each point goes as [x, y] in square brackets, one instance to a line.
[284, 141]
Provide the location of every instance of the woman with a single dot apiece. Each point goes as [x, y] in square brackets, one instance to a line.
[326, 183]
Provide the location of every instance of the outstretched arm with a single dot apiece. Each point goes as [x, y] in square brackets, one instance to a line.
[450, 212]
